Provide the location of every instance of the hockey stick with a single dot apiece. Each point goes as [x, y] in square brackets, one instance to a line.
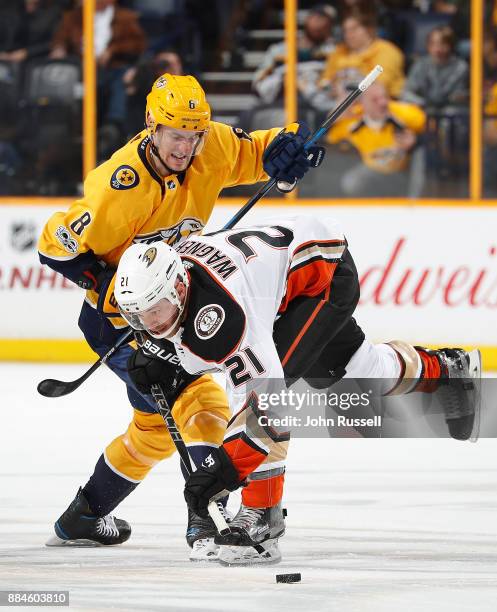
[313, 138]
[166, 413]
[58, 388]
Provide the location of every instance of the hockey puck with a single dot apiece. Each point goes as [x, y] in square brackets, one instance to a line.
[288, 577]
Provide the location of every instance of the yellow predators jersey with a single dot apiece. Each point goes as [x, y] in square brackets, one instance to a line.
[343, 66]
[126, 201]
[377, 145]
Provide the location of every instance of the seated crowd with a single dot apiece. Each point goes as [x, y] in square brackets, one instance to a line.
[338, 44]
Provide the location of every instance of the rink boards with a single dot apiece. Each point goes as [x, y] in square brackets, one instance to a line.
[428, 275]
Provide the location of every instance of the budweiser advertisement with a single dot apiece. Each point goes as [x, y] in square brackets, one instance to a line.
[428, 274]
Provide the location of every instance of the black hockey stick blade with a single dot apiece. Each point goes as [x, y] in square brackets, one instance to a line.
[58, 388]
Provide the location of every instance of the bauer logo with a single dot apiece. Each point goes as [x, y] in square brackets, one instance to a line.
[208, 321]
[66, 240]
[124, 178]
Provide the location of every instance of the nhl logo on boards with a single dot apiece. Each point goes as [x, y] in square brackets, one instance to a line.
[23, 236]
[124, 178]
[208, 321]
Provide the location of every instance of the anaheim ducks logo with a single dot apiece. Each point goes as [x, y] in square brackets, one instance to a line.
[124, 178]
[149, 256]
[208, 321]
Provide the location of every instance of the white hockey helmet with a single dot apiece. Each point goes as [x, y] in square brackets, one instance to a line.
[145, 288]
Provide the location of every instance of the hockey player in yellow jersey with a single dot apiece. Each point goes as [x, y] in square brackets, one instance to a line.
[162, 185]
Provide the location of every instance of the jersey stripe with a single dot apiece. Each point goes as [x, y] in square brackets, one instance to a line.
[306, 326]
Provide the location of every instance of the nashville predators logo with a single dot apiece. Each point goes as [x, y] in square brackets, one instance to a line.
[149, 256]
[124, 178]
[173, 235]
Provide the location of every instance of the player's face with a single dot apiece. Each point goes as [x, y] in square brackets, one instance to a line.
[176, 147]
[160, 318]
[164, 318]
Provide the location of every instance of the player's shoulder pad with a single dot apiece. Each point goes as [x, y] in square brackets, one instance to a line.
[124, 177]
[124, 170]
[215, 323]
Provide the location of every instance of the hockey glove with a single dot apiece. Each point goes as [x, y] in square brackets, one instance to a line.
[216, 474]
[286, 160]
[107, 303]
[146, 370]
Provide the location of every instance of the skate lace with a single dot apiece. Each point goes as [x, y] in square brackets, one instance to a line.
[106, 526]
[247, 517]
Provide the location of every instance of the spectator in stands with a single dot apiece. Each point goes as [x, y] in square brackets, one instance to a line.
[366, 7]
[11, 160]
[139, 79]
[34, 31]
[119, 41]
[10, 22]
[313, 46]
[490, 142]
[439, 78]
[489, 58]
[384, 133]
[360, 51]
[459, 13]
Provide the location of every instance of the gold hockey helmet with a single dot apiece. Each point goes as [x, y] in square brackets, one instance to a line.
[177, 102]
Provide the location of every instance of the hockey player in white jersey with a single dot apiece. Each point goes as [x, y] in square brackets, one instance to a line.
[268, 304]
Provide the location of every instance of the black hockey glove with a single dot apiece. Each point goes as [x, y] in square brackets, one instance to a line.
[100, 278]
[96, 276]
[286, 160]
[146, 369]
[216, 474]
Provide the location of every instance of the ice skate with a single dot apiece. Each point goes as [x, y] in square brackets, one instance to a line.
[254, 537]
[78, 526]
[200, 534]
[460, 391]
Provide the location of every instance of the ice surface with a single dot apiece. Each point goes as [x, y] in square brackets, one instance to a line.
[380, 525]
